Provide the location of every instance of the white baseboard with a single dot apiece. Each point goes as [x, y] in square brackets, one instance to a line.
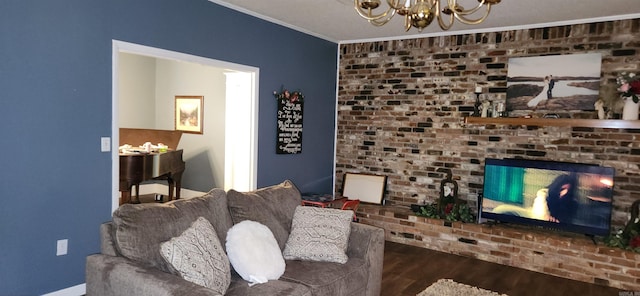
[71, 291]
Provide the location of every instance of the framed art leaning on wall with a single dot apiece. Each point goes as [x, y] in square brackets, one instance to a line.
[189, 114]
[367, 188]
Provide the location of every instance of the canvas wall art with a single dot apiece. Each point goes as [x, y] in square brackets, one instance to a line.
[554, 83]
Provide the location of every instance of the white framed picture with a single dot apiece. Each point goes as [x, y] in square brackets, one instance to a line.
[365, 187]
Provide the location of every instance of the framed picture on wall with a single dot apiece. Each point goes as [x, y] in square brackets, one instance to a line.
[554, 83]
[189, 114]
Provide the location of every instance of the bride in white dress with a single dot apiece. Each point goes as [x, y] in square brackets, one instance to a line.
[542, 96]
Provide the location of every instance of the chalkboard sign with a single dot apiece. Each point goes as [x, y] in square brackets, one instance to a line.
[289, 127]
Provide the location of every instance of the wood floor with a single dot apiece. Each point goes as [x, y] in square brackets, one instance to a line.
[408, 270]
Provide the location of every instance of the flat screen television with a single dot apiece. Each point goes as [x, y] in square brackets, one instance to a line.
[564, 196]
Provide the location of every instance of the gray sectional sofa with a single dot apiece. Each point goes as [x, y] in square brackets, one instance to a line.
[130, 262]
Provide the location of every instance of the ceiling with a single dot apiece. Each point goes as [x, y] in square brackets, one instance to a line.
[337, 20]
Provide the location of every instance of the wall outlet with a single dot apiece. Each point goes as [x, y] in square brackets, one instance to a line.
[105, 144]
[61, 248]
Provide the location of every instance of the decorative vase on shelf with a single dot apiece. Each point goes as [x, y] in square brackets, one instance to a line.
[630, 109]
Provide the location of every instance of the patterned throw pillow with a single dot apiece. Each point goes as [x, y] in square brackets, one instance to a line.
[319, 234]
[198, 256]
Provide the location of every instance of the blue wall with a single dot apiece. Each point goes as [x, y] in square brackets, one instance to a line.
[55, 85]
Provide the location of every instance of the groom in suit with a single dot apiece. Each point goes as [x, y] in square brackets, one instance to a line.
[551, 83]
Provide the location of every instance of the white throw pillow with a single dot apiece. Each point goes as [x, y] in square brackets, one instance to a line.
[198, 256]
[319, 234]
[254, 252]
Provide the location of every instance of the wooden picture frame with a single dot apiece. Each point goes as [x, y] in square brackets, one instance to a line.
[189, 115]
[365, 187]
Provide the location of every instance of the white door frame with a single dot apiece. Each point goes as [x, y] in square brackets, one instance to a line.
[126, 47]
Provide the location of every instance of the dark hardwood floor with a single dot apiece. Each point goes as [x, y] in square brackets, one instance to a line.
[408, 270]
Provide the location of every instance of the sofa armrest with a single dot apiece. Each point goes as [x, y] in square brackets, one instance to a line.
[367, 242]
[109, 275]
[107, 245]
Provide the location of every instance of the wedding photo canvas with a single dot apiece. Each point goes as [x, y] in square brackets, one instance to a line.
[554, 83]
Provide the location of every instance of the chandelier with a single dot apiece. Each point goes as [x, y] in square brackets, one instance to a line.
[420, 13]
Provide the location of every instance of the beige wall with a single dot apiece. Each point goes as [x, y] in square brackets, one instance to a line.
[136, 91]
[147, 90]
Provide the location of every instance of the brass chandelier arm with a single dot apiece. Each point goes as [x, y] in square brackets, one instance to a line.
[407, 23]
[440, 15]
[460, 16]
[453, 6]
[467, 21]
[377, 22]
[381, 19]
[376, 19]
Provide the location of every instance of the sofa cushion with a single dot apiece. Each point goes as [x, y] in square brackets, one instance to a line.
[254, 252]
[239, 287]
[199, 257]
[140, 228]
[272, 206]
[319, 234]
[329, 278]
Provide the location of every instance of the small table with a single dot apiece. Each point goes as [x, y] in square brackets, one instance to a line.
[323, 203]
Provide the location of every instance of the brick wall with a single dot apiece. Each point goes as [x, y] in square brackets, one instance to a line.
[401, 106]
[565, 255]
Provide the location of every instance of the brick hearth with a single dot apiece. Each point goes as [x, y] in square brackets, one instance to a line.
[565, 255]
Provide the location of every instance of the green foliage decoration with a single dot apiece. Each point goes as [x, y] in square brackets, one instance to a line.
[451, 212]
[627, 238]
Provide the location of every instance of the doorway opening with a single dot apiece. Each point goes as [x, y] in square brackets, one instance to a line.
[239, 111]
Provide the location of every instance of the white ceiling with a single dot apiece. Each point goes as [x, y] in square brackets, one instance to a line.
[337, 20]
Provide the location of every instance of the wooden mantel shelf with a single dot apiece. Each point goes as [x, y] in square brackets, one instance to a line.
[608, 123]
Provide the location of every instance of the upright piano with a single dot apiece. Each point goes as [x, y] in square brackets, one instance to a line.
[144, 166]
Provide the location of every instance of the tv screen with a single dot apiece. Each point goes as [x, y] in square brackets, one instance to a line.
[559, 195]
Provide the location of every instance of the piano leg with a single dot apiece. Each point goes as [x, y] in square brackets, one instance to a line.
[125, 197]
[175, 184]
[170, 181]
[177, 190]
[178, 179]
[137, 201]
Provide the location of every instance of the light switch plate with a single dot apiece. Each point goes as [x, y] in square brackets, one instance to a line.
[61, 247]
[105, 144]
